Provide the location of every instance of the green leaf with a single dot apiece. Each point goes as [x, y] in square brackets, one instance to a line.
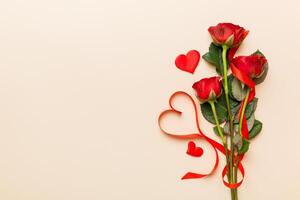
[256, 129]
[235, 104]
[225, 129]
[216, 130]
[230, 79]
[238, 89]
[208, 114]
[250, 121]
[214, 57]
[222, 100]
[250, 109]
[245, 147]
[235, 109]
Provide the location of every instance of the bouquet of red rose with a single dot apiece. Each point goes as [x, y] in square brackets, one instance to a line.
[227, 101]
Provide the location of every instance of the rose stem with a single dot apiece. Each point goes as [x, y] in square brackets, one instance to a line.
[230, 170]
[243, 111]
[240, 132]
[213, 108]
[235, 175]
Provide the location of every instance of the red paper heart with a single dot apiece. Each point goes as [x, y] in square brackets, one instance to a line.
[193, 150]
[188, 62]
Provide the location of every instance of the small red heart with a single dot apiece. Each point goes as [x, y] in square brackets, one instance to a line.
[193, 150]
[188, 62]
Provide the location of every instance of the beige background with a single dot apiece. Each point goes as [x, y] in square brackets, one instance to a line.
[82, 83]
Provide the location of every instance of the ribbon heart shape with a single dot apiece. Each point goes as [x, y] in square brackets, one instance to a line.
[173, 111]
[188, 62]
[192, 149]
[188, 136]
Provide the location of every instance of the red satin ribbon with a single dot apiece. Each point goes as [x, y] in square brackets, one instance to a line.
[215, 145]
[233, 185]
[250, 83]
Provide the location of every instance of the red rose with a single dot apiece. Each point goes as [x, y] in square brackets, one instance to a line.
[208, 89]
[253, 66]
[228, 34]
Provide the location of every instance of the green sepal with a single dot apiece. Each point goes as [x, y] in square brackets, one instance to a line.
[258, 52]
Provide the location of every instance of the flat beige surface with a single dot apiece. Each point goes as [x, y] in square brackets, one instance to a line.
[82, 83]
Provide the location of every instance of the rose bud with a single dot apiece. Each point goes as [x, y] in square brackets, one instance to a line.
[253, 66]
[208, 89]
[227, 34]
